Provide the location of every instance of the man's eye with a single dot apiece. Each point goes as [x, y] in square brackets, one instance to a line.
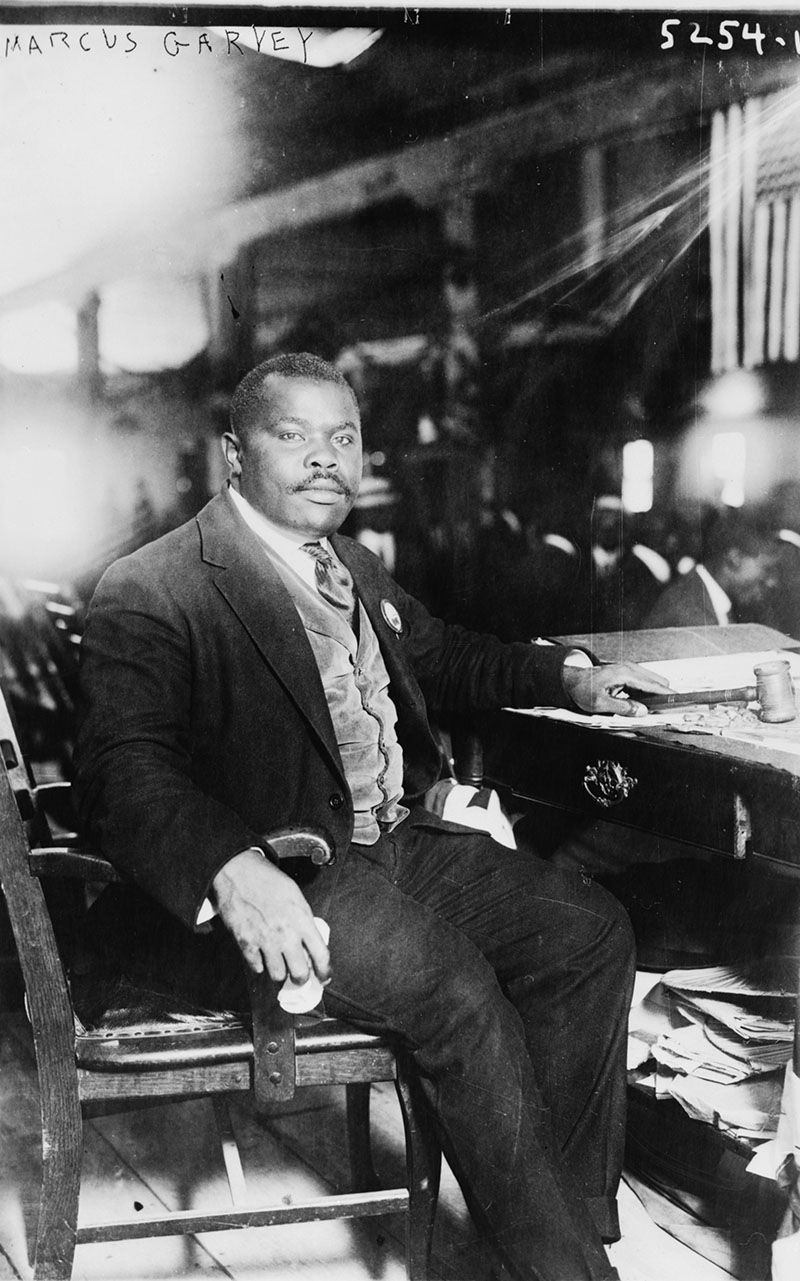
[290, 435]
[343, 440]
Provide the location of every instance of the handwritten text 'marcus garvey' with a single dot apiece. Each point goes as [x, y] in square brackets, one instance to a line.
[282, 41]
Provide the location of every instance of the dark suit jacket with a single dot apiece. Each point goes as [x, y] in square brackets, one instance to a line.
[204, 723]
[685, 603]
[784, 604]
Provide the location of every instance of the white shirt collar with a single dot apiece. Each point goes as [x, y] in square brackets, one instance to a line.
[284, 544]
[655, 562]
[605, 560]
[563, 544]
[720, 600]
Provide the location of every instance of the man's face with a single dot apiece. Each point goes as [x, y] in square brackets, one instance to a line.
[754, 578]
[300, 461]
[607, 529]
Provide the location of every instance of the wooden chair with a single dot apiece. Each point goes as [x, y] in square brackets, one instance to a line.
[271, 1055]
[39, 638]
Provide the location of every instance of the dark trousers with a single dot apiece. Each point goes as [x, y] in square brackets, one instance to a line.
[511, 981]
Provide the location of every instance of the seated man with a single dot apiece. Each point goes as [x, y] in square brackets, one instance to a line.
[732, 584]
[251, 670]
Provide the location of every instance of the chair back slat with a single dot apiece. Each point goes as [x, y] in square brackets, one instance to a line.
[47, 999]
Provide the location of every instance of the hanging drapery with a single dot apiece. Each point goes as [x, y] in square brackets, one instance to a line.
[754, 232]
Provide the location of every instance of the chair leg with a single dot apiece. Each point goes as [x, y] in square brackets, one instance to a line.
[62, 1156]
[230, 1149]
[362, 1170]
[424, 1166]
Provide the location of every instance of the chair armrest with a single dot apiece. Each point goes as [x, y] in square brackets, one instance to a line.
[65, 860]
[302, 842]
[274, 1074]
[61, 860]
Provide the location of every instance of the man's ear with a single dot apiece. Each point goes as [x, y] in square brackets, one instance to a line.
[232, 450]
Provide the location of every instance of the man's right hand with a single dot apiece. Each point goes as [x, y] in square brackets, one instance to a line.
[269, 918]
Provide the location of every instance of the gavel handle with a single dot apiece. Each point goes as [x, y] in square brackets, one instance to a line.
[745, 694]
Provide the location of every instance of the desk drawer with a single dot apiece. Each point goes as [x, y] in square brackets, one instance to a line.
[665, 790]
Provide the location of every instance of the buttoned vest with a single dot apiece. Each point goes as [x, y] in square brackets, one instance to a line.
[356, 686]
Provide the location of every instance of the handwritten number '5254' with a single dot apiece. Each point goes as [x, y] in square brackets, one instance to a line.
[726, 29]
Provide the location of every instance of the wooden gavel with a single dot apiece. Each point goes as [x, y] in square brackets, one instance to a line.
[743, 694]
[774, 691]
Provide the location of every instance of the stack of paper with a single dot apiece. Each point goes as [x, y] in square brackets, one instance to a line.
[746, 1109]
[692, 1051]
[719, 1043]
[723, 980]
[747, 1022]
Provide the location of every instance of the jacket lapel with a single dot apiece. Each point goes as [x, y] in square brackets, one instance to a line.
[372, 591]
[245, 576]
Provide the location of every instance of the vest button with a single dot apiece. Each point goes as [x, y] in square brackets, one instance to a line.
[336, 801]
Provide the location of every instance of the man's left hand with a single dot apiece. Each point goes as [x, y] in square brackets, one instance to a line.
[603, 689]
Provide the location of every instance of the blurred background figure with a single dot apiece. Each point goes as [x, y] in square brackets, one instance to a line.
[735, 582]
[626, 574]
[531, 569]
[784, 515]
[680, 536]
[374, 519]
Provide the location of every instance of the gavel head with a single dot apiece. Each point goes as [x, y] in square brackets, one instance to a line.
[775, 691]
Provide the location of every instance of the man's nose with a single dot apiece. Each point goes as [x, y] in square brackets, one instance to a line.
[322, 454]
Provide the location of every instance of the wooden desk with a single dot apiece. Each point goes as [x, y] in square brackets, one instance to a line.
[740, 801]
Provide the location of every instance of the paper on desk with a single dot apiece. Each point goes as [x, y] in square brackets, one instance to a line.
[716, 671]
[719, 671]
[650, 720]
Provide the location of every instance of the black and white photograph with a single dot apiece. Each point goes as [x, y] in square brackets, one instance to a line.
[399, 642]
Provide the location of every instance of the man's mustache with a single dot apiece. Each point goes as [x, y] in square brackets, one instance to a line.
[324, 482]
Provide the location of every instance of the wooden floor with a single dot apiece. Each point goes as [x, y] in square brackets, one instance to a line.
[169, 1156]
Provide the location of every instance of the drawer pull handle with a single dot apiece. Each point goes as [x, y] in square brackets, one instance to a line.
[608, 782]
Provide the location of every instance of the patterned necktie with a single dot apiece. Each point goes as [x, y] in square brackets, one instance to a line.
[333, 580]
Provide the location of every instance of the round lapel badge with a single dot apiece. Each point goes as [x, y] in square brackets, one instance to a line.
[392, 617]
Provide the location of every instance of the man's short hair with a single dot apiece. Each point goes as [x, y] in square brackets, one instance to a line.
[293, 364]
[750, 536]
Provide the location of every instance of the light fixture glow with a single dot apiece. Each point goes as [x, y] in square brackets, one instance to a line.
[37, 478]
[146, 325]
[637, 476]
[105, 142]
[39, 340]
[728, 463]
[738, 394]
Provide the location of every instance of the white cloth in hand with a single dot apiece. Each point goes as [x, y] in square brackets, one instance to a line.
[299, 998]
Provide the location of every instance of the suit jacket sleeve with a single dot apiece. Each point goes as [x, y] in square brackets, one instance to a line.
[133, 782]
[463, 671]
